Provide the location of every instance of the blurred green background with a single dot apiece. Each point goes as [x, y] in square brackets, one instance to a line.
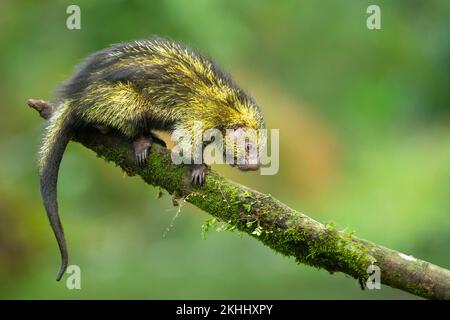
[365, 143]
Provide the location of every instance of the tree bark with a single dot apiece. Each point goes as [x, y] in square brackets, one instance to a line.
[279, 227]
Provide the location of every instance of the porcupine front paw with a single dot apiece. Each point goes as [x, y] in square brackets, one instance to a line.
[141, 146]
[198, 173]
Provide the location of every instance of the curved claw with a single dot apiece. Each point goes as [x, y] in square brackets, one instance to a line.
[141, 146]
[198, 174]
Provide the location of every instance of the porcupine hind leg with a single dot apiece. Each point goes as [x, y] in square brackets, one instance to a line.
[142, 144]
[198, 172]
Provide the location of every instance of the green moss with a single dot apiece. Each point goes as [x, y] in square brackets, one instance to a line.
[417, 289]
[277, 226]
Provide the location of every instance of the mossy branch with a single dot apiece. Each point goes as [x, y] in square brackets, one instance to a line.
[279, 227]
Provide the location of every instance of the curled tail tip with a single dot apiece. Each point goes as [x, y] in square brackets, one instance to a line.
[61, 271]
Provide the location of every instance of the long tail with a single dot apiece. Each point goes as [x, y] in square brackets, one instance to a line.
[58, 134]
